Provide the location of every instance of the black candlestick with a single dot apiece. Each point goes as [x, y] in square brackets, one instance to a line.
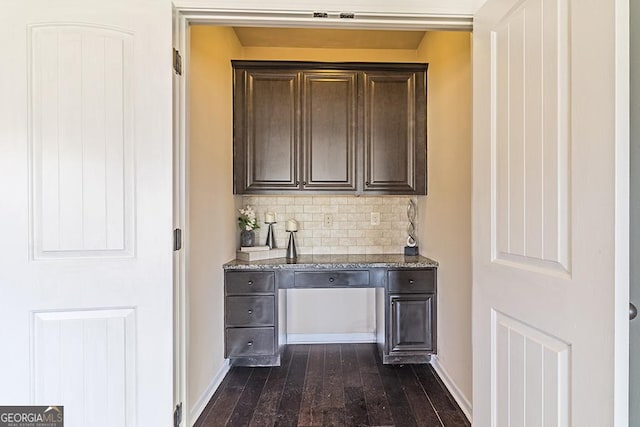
[292, 253]
[271, 240]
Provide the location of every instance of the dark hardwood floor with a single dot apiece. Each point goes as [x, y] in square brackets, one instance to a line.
[332, 385]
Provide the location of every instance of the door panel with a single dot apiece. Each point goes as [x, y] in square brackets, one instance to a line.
[394, 139]
[411, 322]
[531, 161]
[531, 379]
[548, 241]
[86, 283]
[86, 350]
[266, 117]
[82, 163]
[330, 128]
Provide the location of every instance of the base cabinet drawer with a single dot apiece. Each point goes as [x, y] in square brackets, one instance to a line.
[250, 311]
[412, 281]
[249, 282]
[328, 279]
[247, 342]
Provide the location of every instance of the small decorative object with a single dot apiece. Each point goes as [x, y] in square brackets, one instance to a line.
[247, 223]
[247, 238]
[292, 227]
[412, 244]
[270, 219]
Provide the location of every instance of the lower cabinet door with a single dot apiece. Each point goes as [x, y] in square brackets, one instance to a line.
[247, 342]
[411, 323]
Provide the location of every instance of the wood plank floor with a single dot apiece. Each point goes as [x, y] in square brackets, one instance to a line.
[332, 385]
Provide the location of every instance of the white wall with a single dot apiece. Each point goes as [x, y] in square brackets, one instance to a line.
[212, 229]
[445, 213]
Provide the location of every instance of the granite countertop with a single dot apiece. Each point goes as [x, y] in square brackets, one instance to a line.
[334, 262]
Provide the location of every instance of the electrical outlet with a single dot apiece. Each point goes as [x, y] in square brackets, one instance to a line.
[328, 220]
[375, 218]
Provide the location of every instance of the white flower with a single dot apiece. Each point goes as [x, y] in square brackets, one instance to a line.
[247, 219]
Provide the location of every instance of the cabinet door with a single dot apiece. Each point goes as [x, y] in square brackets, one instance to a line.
[395, 132]
[266, 105]
[329, 129]
[411, 325]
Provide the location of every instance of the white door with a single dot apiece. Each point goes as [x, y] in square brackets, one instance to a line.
[86, 209]
[550, 221]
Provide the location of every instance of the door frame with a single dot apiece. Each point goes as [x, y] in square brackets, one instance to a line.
[622, 208]
[185, 16]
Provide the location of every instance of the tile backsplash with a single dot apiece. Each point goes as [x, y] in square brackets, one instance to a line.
[351, 232]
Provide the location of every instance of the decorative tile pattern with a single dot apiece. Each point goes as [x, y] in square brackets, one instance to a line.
[351, 232]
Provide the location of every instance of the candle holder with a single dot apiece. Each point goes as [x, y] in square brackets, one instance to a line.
[271, 240]
[292, 253]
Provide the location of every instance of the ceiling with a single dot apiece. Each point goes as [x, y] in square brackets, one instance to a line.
[328, 38]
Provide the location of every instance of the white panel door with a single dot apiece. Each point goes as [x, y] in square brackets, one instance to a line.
[85, 154]
[550, 255]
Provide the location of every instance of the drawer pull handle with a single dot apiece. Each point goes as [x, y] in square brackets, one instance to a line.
[250, 311]
[250, 283]
[250, 343]
[331, 279]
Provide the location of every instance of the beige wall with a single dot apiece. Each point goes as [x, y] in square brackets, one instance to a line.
[445, 213]
[329, 55]
[211, 239]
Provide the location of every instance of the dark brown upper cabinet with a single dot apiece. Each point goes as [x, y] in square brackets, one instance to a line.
[329, 128]
[266, 130]
[395, 149]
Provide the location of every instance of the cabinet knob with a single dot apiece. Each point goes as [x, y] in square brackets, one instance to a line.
[411, 281]
[297, 182]
[331, 279]
[250, 343]
[250, 311]
[250, 282]
[366, 183]
[304, 182]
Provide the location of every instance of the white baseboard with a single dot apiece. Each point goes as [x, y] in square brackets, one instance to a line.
[462, 401]
[197, 409]
[364, 337]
